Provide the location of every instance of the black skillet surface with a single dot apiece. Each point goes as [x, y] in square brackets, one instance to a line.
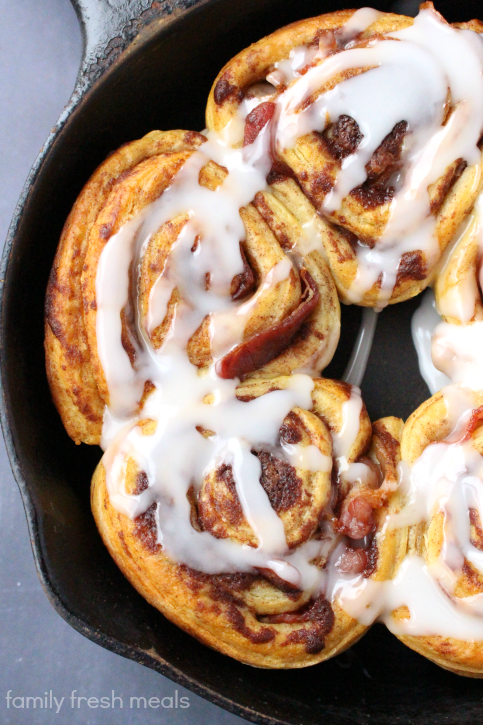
[162, 80]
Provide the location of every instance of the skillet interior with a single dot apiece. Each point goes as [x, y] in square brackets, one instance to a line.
[163, 84]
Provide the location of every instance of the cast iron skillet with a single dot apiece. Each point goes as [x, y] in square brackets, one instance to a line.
[150, 65]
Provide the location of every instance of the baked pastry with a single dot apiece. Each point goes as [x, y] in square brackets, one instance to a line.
[332, 519]
[194, 300]
[440, 590]
[385, 215]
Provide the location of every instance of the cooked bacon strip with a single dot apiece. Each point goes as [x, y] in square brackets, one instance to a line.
[352, 561]
[356, 520]
[475, 418]
[244, 282]
[260, 349]
[256, 120]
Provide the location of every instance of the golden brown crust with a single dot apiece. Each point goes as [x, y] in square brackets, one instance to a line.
[73, 385]
[429, 424]
[319, 332]
[385, 450]
[316, 158]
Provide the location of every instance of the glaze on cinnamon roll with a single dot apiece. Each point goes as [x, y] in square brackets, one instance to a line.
[380, 133]
[440, 592]
[68, 358]
[457, 341]
[287, 311]
[442, 474]
[330, 501]
[457, 288]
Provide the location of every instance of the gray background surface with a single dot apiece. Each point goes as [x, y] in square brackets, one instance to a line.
[40, 50]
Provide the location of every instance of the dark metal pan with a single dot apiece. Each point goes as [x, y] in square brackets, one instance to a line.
[150, 65]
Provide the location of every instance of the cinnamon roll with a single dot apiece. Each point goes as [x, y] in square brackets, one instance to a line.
[439, 593]
[288, 313]
[437, 602]
[442, 453]
[379, 132]
[323, 495]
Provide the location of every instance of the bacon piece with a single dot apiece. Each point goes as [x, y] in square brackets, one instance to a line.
[260, 349]
[386, 158]
[244, 282]
[352, 561]
[475, 418]
[256, 120]
[356, 520]
[385, 161]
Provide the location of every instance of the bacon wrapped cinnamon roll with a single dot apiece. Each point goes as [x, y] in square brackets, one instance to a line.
[286, 309]
[435, 606]
[377, 131]
[315, 479]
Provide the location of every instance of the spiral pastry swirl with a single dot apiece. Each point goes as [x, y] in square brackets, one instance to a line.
[442, 458]
[69, 370]
[288, 324]
[354, 183]
[258, 617]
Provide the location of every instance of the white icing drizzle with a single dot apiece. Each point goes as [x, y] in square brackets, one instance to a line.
[358, 22]
[457, 351]
[307, 458]
[289, 69]
[344, 439]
